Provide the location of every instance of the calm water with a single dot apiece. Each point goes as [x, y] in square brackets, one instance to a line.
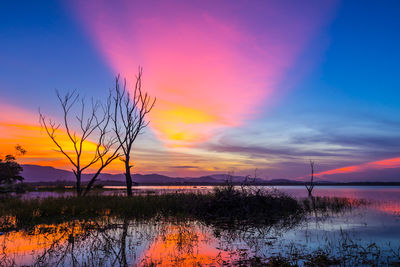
[115, 242]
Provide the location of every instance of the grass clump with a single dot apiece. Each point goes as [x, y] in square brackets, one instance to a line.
[230, 205]
[225, 206]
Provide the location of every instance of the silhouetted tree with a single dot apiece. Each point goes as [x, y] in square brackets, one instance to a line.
[130, 120]
[94, 130]
[10, 169]
[311, 185]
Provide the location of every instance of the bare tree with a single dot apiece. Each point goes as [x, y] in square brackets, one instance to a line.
[130, 119]
[94, 129]
[311, 185]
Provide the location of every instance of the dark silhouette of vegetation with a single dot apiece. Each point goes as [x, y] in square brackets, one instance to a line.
[241, 208]
[94, 126]
[225, 207]
[10, 169]
[311, 185]
[248, 206]
[130, 120]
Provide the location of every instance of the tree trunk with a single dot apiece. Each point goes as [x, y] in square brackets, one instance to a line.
[78, 183]
[128, 177]
[88, 187]
[91, 182]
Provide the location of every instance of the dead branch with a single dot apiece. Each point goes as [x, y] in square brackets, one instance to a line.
[93, 127]
[129, 119]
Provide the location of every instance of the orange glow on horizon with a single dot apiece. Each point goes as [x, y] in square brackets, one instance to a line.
[23, 128]
[20, 129]
[183, 125]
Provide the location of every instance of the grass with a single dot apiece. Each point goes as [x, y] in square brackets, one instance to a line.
[226, 206]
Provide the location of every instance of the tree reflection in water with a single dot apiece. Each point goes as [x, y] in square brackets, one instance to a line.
[165, 242]
[122, 242]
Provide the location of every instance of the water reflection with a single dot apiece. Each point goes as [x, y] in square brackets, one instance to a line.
[166, 242]
[77, 243]
[182, 245]
[161, 243]
[116, 242]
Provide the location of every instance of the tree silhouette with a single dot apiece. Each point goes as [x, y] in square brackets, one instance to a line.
[10, 169]
[94, 129]
[130, 120]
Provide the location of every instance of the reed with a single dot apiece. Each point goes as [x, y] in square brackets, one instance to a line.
[225, 206]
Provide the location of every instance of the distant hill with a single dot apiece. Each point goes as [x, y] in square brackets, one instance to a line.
[46, 174]
[36, 173]
[284, 181]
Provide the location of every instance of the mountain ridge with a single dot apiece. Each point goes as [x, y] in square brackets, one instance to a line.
[47, 174]
[36, 174]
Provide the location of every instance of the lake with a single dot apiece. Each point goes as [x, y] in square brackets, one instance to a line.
[372, 228]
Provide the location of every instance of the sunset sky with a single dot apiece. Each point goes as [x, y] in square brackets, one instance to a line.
[239, 84]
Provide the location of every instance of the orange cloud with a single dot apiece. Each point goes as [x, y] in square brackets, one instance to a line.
[22, 127]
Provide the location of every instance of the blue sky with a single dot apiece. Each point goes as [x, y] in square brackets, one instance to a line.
[337, 101]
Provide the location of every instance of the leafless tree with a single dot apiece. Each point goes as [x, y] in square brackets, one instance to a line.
[130, 119]
[94, 128]
[311, 185]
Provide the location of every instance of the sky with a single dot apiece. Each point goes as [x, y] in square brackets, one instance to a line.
[240, 85]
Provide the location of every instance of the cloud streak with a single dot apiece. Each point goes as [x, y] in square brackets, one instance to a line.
[280, 152]
[375, 165]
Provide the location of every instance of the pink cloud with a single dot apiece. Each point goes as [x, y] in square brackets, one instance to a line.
[375, 165]
[211, 64]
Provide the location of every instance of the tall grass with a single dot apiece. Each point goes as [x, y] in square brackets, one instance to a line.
[225, 206]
